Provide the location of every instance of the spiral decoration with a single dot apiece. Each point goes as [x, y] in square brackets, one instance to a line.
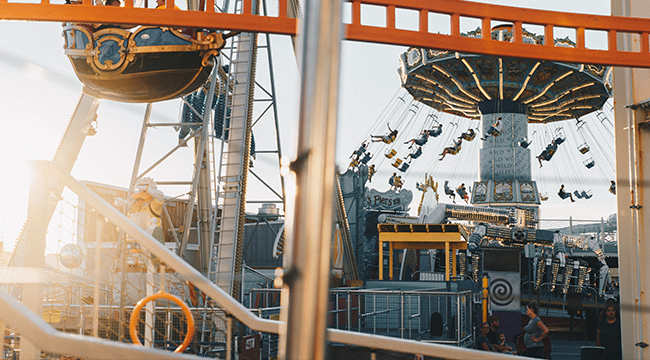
[501, 292]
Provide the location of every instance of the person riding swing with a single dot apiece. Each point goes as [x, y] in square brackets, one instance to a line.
[495, 129]
[419, 141]
[449, 192]
[395, 182]
[469, 135]
[548, 153]
[414, 155]
[388, 138]
[453, 150]
[563, 194]
[462, 192]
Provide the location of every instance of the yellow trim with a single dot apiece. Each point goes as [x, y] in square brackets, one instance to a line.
[548, 87]
[459, 85]
[523, 87]
[478, 83]
[108, 65]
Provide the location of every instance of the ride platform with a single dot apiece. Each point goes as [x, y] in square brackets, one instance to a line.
[446, 237]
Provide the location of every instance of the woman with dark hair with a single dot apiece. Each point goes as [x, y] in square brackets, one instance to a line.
[535, 332]
[609, 333]
[482, 342]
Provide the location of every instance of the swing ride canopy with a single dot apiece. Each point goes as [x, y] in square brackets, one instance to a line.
[471, 85]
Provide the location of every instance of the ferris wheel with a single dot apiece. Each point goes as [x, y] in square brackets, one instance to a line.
[227, 111]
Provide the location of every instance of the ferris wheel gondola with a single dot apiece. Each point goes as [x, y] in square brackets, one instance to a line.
[147, 65]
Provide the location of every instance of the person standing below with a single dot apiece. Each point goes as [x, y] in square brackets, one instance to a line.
[609, 333]
[482, 342]
[493, 336]
[535, 332]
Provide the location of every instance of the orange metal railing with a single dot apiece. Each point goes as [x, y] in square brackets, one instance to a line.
[87, 13]
[517, 17]
[613, 26]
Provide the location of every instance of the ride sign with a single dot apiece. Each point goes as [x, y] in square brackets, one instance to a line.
[389, 200]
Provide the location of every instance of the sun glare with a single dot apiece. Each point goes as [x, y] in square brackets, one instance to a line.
[14, 189]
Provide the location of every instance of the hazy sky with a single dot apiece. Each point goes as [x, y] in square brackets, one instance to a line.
[40, 91]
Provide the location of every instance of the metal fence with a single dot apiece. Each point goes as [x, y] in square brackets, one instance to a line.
[428, 316]
[91, 286]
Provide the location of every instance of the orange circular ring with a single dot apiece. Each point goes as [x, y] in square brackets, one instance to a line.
[135, 317]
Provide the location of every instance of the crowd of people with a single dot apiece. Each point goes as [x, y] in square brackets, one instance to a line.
[534, 341]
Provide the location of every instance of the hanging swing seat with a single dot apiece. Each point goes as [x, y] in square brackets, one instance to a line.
[559, 136]
[416, 154]
[469, 135]
[525, 143]
[366, 157]
[453, 150]
[395, 182]
[396, 163]
[359, 152]
[584, 148]
[435, 132]
[543, 196]
[148, 65]
[449, 191]
[583, 194]
[390, 153]
[404, 167]
[461, 192]
[589, 163]
[354, 163]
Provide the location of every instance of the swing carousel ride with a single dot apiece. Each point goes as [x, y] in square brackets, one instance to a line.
[551, 110]
[528, 120]
[130, 280]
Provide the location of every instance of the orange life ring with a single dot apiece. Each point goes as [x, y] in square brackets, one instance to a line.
[135, 317]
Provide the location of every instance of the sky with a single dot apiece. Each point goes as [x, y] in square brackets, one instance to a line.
[39, 92]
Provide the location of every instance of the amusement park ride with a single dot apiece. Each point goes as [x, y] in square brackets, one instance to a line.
[209, 53]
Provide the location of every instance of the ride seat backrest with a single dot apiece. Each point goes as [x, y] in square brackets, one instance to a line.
[437, 324]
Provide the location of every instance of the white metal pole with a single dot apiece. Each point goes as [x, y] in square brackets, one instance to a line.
[630, 88]
[307, 278]
[99, 230]
[38, 218]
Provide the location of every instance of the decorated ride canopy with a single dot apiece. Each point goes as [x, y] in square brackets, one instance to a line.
[469, 85]
[147, 65]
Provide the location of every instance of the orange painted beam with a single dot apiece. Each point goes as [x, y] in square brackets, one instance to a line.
[168, 17]
[456, 9]
[519, 18]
